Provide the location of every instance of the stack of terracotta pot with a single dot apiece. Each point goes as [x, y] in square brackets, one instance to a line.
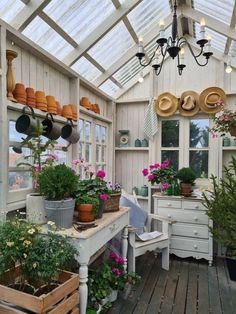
[41, 101]
[30, 97]
[74, 111]
[95, 108]
[85, 103]
[51, 104]
[59, 109]
[19, 93]
[67, 112]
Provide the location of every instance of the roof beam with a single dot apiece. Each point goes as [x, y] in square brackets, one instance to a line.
[130, 53]
[25, 1]
[94, 62]
[132, 82]
[212, 23]
[28, 13]
[232, 24]
[130, 29]
[116, 82]
[58, 29]
[100, 31]
[116, 3]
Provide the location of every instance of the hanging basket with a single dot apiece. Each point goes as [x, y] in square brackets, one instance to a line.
[232, 130]
[112, 203]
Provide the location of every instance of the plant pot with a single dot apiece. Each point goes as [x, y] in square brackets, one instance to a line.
[112, 203]
[100, 209]
[60, 212]
[68, 285]
[113, 295]
[231, 263]
[126, 292]
[186, 189]
[85, 212]
[232, 130]
[35, 210]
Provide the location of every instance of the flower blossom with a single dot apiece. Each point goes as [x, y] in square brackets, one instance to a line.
[9, 243]
[150, 177]
[165, 186]
[116, 272]
[52, 157]
[100, 174]
[145, 172]
[103, 197]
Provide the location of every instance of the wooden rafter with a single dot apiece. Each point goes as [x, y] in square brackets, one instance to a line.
[25, 1]
[116, 3]
[130, 29]
[130, 53]
[28, 13]
[232, 24]
[100, 31]
[94, 62]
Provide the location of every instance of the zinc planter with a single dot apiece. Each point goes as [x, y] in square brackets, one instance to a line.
[60, 212]
[113, 296]
[35, 210]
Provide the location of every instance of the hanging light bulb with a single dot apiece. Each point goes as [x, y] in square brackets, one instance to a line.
[140, 79]
[228, 68]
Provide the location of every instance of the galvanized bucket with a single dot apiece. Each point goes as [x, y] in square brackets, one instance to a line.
[69, 133]
[51, 129]
[25, 123]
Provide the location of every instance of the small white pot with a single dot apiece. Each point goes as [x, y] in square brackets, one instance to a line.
[113, 295]
[35, 211]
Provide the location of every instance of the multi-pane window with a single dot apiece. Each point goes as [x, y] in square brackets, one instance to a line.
[85, 143]
[101, 146]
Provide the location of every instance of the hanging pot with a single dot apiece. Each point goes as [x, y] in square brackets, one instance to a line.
[25, 123]
[51, 129]
[69, 133]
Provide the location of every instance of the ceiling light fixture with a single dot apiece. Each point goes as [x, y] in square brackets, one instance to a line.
[228, 68]
[140, 79]
[174, 46]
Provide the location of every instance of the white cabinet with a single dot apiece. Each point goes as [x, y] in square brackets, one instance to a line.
[190, 233]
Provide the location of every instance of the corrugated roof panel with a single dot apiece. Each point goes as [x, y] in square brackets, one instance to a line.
[9, 9]
[129, 70]
[148, 13]
[79, 18]
[109, 87]
[218, 41]
[221, 10]
[112, 46]
[43, 35]
[86, 69]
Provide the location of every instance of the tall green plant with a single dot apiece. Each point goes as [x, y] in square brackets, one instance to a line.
[221, 208]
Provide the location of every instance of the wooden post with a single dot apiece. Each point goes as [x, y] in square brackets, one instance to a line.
[10, 55]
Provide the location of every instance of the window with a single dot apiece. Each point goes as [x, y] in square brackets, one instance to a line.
[101, 146]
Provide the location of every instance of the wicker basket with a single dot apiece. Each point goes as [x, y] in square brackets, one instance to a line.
[112, 203]
[232, 130]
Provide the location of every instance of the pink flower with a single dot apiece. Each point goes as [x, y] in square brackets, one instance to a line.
[76, 162]
[37, 167]
[156, 166]
[52, 157]
[165, 186]
[145, 172]
[103, 197]
[116, 272]
[100, 174]
[152, 166]
[150, 177]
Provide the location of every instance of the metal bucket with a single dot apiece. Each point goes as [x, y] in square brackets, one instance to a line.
[25, 123]
[70, 134]
[51, 129]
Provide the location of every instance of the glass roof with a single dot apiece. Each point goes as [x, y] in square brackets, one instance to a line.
[232, 50]
[79, 18]
[112, 46]
[218, 41]
[129, 70]
[218, 9]
[43, 35]
[86, 69]
[109, 87]
[147, 14]
[9, 9]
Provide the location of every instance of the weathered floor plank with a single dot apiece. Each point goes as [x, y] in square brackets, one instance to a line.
[181, 292]
[214, 295]
[203, 289]
[191, 301]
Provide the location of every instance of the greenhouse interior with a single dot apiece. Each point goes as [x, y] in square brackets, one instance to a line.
[117, 156]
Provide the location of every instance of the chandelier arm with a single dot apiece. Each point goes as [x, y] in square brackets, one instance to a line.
[151, 58]
[183, 40]
[160, 68]
[195, 56]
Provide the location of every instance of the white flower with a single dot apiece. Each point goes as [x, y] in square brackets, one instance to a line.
[9, 243]
[51, 223]
[34, 265]
[25, 255]
[31, 231]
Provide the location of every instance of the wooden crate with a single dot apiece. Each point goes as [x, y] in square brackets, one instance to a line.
[63, 299]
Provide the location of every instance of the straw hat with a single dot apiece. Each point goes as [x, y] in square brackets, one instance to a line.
[189, 103]
[209, 97]
[166, 104]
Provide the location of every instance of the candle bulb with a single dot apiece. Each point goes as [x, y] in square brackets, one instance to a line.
[202, 29]
[140, 45]
[162, 30]
[181, 57]
[208, 45]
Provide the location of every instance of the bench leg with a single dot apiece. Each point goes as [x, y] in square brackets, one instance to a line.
[165, 258]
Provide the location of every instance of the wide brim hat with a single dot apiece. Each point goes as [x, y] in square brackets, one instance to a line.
[166, 104]
[209, 97]
[189, 103]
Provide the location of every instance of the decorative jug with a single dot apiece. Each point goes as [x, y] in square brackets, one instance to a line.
[144, 143]
[144, 190]
[137, 143]
[226, 141]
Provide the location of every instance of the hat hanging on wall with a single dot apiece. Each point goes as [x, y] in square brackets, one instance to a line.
[189, 103]
[166, 104]
[209, 97]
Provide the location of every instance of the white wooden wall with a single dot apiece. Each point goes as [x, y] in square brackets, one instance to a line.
[33, 72]
[139, 90]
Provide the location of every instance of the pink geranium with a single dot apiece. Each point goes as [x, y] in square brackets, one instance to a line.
[165, 186]
[103, 196]
[100, 174]
[150, 177]
[145, 172]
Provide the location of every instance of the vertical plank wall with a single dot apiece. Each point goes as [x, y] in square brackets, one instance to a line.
[139, 90]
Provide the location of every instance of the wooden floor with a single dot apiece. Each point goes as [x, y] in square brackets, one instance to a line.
[189, 287]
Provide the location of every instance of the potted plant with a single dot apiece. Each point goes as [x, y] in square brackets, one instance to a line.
[113, 199]
[221, 208]
[58, 185]
[31, 269]
[187, 178]
[87, 208]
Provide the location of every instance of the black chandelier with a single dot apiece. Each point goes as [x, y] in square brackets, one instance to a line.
[174, 46]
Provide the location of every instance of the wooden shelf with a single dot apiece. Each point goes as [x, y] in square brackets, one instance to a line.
[132, 148]
[229, 148]
[134, 100]
[139, 197]
[94, 115]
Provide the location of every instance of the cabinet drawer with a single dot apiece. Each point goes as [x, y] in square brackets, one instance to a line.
[187, 230]
[185, 244]
[193, 205]
[184, 216]
[169, 203]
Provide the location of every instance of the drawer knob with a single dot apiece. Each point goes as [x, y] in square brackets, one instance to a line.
[195, 218]
[195, 232]
[169, 204]
[113, 227]
[195, 246]
[196, 206]
[169, 216]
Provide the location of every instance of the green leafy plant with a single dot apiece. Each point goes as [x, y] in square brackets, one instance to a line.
[223, 121]
[221, 208]
[57, 183]
[186, 175]
[86, 199]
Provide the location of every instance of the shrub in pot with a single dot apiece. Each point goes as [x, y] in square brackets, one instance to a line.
[58, 185]
[221, 208]
[87, 207]
[187, 178]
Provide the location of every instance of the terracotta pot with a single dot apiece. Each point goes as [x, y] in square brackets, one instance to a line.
[97, 109]
[85, 102]
[186, 189]
[40, 94]
[59, 109]
[51, 101]
[74, 111]
[232, 130]
[85, 212]
[67, 112]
